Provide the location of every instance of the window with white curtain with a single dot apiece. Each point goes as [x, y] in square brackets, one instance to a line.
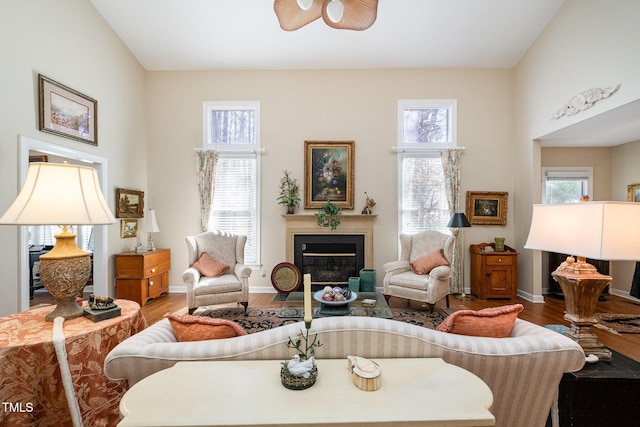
[233, 130]
[424, 128]
[44, 235]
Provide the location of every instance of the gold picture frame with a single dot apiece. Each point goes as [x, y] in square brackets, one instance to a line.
[129, 203]
[487, 207]
[328, 173]
[66, 112]
[633, 192]
[128, 228]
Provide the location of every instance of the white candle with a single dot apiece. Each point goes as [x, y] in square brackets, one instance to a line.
[307, 299]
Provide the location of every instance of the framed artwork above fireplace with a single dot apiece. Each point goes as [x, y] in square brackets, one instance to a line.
[328, 173]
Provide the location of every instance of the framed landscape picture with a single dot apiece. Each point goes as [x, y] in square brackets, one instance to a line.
[328, 173]
[633, 193]
[128, 228]
[487, 207]
[129, 203]
[67, 112]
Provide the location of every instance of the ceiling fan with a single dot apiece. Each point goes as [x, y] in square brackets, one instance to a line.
[341, 14]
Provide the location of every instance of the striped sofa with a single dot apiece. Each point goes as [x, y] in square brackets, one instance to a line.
[523, 371]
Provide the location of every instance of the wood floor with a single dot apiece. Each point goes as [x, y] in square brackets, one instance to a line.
[551, 312]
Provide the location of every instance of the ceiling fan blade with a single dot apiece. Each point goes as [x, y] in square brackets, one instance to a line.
[358, 14]
[292, 17]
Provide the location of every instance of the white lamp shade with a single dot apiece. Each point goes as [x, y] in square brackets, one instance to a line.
[59, 194]
[599, 230]
[151, 224]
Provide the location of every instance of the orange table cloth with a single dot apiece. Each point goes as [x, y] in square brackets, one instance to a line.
[31, 388]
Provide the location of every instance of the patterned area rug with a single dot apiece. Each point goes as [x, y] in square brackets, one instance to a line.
[619, 323]
[260, 319]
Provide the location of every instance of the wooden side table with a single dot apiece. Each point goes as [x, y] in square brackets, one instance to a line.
[493, 274]
[31, 386]
[141, 276]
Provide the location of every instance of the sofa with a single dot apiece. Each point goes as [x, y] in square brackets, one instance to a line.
[523, 370]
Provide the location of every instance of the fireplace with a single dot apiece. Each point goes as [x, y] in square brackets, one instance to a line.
[330, 259]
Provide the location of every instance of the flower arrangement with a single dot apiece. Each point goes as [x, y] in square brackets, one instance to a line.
[289, 191]
[330, 175]
[329, 214]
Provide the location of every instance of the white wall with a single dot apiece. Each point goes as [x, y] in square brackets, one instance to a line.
[357, 105]
[589, 43]
[69, 42]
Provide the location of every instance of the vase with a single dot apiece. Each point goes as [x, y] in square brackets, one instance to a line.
[292, 382]
[291, 210]
[499, 244]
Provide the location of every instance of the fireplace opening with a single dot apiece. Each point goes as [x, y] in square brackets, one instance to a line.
[330, 259]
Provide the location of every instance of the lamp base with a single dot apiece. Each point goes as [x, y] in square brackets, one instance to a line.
[581, 285]
[150, 245]
[64, 271]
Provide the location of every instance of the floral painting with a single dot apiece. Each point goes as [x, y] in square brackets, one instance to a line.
[328, 173]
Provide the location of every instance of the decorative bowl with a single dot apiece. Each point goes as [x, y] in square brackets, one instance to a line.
[318, 297]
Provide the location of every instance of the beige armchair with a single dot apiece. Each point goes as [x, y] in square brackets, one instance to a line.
[232, 286]
[401, 281]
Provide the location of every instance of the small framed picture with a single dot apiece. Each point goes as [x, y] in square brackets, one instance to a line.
[128, 228]
[67, 112]
[633, 193]
[487, 207]
[129, 203]
[328, 173]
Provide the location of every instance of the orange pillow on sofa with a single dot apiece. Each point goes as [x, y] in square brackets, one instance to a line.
[199, 328]
[494, 322]
[209, 266]
[425, 264]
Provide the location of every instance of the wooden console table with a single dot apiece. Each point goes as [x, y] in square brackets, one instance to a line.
[415, 392]
[31, 387]
[141, 276]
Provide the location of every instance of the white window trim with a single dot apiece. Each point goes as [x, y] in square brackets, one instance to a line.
[450, 104]
[567, 172]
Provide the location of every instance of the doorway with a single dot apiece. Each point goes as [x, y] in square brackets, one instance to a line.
[100, 235]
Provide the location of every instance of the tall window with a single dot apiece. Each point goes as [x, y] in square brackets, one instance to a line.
[424, 128]
[566, 185]
[233, 129]
[44, 235]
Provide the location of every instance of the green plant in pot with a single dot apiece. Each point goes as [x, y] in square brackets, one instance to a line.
[289, 192]
[329, 215]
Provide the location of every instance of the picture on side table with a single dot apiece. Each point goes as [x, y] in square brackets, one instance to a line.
[129, 203]
[328, 173]
[67, 112]
[487, 207]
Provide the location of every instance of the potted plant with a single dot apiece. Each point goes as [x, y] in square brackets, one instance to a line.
[289, 192]
[329, 215]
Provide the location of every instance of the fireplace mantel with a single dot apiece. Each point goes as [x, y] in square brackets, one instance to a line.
[350, 224]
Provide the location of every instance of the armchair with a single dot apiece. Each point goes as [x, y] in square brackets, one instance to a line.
[401, 281]
[232, 286]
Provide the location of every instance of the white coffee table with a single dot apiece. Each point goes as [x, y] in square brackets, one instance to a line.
[414, 392]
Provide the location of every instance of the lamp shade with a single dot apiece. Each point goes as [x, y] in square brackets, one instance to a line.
[458, 220]
[599, 230]
[59, 194]
[151, 224]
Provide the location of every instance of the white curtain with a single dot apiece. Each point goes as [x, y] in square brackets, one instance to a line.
[207, 159]
[451, 169]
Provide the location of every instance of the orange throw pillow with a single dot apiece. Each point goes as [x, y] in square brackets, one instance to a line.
[494, 322]
[199, 328]
[425, 264]
[209, 266]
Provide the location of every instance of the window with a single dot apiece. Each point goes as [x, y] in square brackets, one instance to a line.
[424, 127]
[44, 235]
[233, 129]
[566, 185]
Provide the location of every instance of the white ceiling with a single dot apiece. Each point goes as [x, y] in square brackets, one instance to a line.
[245, 34]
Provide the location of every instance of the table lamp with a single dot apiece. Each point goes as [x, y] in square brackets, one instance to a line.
[457, 221]
[63, 195]
[599, 230]
[151, 226]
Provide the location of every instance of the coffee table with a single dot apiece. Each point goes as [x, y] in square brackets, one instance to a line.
[293, 307]
[414, 392]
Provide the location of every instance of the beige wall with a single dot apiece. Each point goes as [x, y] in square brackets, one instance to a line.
[589, 43]
[69, 42]
[357, 105]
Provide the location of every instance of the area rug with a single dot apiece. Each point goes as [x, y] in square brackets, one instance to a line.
[619, 323]
[260, 319]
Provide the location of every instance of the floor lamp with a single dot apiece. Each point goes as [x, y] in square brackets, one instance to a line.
[457, 221]
[599, 230]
